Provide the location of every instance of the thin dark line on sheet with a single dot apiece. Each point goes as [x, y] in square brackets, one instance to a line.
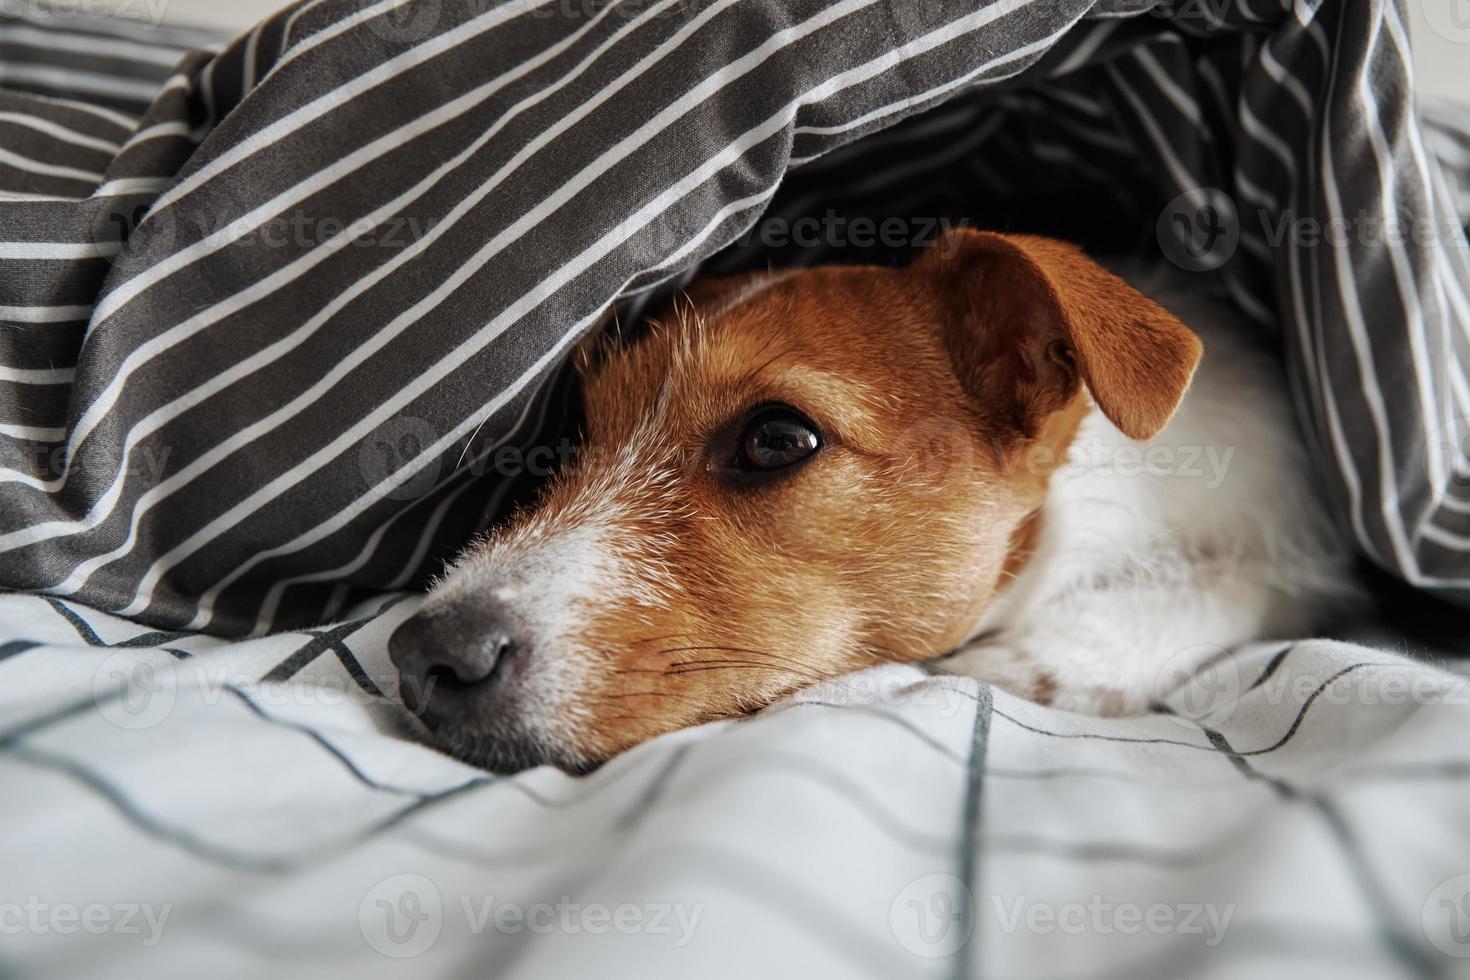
[1283, 740]
[524, 854]
[963, 963]
[1307, 705]
[807, 910]
[321, 641]
[17, 646]
[1102, 851]
[325, 743]
[1411, 954]
[50, 718]
[814, 771]
[191, 843]
[179, 837]
[1273, 666]
[83, 628]
[355, 669]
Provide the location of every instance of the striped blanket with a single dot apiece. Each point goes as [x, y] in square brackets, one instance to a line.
[275, 315]
[281, 323]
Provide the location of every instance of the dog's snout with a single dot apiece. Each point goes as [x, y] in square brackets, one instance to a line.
[450, 655]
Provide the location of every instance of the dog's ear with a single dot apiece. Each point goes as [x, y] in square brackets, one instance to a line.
[1029, 320]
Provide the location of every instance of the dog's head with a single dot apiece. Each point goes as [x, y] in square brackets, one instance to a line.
[795, 475]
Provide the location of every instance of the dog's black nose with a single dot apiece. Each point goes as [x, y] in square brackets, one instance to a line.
[448, 656]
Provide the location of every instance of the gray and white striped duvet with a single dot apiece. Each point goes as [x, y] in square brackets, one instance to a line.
[370, 231]
[180, 806]
[225, 418]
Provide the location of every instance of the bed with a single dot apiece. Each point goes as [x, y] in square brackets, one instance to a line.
[282, 317]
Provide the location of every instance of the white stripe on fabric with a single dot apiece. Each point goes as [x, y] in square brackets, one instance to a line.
[1309, 329]
[941, 123]
[1436, 410]
[336, 29]
[268, 607]
[567, 272]
[1288, 81]
[1170, 88]
[53, 251]
[118, 298]
[271, 284]
[38, 376]
[59, 132]
[31, 433]
[160, 130]
[609, 158]
[290, 26]
[124, 186]
[1086, 49]
[1388, 500]
[1192, 188]
[111, 48]
[893, 108]
[47, 169]
[335, 98]
[1403, 272]
[114, 301]
[1452, 410]
[71, 80]
[1076, 101]
[121, 120]
[247, 58]
[44, 314]
[1445, 538]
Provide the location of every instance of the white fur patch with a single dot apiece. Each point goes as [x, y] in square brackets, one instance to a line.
[1153, 556]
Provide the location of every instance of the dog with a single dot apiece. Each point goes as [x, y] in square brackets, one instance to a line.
[1000, 455]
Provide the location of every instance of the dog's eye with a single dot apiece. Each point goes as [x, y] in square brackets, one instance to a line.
[776, 438]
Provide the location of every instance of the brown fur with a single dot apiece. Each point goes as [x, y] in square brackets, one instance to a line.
[946, 394]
